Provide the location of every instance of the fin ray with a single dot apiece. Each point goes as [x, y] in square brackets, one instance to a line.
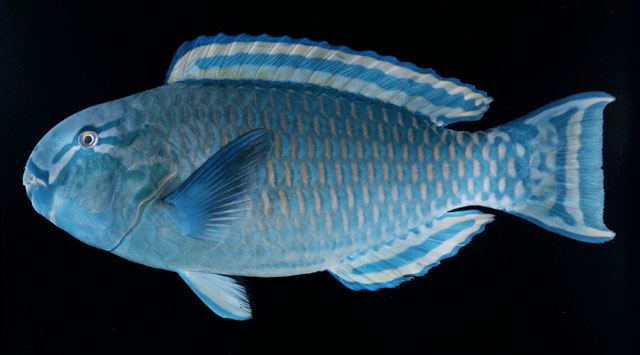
[215, 195]
[389, 264]
[304, 62]
[222, 294]
[564, 189]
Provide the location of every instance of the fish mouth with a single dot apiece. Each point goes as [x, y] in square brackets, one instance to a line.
[34, 176]
[39, 193]
[30, 182]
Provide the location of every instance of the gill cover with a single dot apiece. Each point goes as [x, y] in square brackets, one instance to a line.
[96, 191]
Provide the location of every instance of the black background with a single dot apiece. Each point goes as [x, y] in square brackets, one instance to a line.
[515, 289]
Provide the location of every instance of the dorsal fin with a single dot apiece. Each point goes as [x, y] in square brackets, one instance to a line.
[301, 61]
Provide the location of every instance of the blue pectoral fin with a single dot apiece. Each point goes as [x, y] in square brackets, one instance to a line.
[222, 294]
[216, 195]
[399, 260]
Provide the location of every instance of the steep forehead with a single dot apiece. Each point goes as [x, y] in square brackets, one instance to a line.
[92, 117]
[61, 140]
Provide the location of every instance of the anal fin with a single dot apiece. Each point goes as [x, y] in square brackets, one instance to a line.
[389, 264]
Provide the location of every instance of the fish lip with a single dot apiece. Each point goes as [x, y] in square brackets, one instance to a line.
[29, 187]
[29, 181]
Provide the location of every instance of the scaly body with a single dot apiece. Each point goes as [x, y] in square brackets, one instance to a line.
[346, 173]
[265, 156]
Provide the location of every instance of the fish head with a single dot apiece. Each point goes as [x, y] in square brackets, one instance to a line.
[92, 172]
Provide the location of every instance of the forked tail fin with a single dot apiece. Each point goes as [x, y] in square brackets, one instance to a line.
[564, 188]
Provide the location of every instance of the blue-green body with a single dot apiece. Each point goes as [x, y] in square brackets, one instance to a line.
[274, 157]
[345, 173]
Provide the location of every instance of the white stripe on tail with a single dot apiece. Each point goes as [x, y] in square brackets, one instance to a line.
[565, 182]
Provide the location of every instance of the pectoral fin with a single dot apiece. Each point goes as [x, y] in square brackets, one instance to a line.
[215, 196]
[222, 294]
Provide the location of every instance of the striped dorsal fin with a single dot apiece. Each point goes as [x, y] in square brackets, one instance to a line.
[300, 61]
[390, 264]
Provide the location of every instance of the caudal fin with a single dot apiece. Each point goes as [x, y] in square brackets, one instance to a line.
[565, 182]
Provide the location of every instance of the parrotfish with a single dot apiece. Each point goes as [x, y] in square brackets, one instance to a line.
[270, 157]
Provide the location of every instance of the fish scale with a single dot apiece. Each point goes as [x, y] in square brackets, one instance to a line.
[265, 156]
[332, 188]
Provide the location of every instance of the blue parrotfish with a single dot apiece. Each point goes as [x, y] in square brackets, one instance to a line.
[270, 157]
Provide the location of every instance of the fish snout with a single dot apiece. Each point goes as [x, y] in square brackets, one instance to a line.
[30, 181]
[34, 180]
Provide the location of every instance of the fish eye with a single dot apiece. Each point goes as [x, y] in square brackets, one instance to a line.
[88, 139]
